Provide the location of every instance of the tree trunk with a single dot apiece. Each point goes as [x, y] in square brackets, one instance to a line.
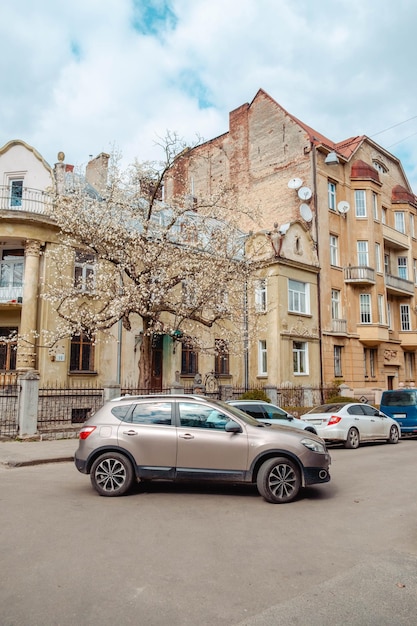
[145, 359]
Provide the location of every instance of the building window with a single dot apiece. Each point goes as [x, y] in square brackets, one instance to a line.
[16, 193]
[221, 361]
[399, 218]
[82, 354]
[410, 365]
[300, 357]
[378, 257]
[84, 271]
[405, 316]
[412, 225]
[384, 215]
[389, 316]
[365, 308]
[375, 205]
[387, 264]
[337, 358]
[189, 360]
[379, 167]
[381, 309]
[334, 250]
[360, 203]
[370, 356]
[262, 358]
[331, 192]
[402, 267]
[335, 304]
[8, 347]
[298, 297]
[363, 256]
[415, 271]
[260, 295]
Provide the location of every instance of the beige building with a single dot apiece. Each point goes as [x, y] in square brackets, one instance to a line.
[355, 201]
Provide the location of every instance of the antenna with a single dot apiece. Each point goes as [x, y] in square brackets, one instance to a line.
[306, 213]
[295, 183]
[343, 207]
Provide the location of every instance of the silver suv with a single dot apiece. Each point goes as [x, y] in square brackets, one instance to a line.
[191, 438]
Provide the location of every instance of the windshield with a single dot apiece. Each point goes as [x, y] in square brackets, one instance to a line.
[399, 398]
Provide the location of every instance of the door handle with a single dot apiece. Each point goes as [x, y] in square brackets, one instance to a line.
[130, 432]
[186, 436]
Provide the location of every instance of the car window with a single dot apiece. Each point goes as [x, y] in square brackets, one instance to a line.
[193, 415]
[253, 409]
[327, 408]
[356, 409]
[273, 412]
[369, 410]
[121, 411]
[152, 413]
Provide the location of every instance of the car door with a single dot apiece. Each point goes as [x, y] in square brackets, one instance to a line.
[359, 420]
[378, 426]
[149, 434]
[205, 449]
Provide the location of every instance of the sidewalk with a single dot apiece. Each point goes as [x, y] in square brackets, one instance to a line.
[20, 453]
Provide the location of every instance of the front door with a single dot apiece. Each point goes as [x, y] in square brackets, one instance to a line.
[156, 362]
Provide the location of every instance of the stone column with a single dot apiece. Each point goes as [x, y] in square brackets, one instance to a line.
[26, 351]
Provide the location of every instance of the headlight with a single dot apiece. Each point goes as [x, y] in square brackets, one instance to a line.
[315, 446]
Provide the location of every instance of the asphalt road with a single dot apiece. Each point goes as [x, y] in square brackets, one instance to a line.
[343, 553]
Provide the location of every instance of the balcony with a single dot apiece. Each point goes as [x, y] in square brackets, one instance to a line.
[397, 285]
[408, 339]
[11, 293]
[339, 327]
[359, 275]
[394, 239]
[372, 334]
[31, 201]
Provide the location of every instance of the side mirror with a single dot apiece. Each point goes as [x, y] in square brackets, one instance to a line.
[233, 427]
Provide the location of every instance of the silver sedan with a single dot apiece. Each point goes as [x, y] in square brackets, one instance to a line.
[352, 423]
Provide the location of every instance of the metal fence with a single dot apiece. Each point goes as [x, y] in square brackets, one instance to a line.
[63, 409]
[9, 410]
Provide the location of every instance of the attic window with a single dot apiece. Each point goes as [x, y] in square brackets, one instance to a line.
[379, 167]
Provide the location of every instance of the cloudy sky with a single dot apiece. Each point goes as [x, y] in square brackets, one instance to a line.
[86, 76]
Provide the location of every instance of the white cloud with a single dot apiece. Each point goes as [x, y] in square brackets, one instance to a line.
[80, 76]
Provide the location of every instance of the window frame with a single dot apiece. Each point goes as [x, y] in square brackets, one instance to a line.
[405, 318]
[262, 358]
[298, 298]
[334, 250]
[335, 304]
[331, 194]
[337, 361]
[84, 271]
[365, 308]
[362, 254]
[16, 200]
[300, 358]
[221, 358]
[399, 224]
[360, 203]
[261, 295]
[82, 348]
[189, 360]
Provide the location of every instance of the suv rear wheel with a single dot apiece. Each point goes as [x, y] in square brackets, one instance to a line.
[279, 480]
[111, 474]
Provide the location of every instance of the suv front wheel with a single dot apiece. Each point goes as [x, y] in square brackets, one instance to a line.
[111, 474]
[279, 480]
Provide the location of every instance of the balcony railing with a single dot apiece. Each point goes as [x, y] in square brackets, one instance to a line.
[399, 285]
[32, 201]
[339, 326]
[359, 274]
[11, 293]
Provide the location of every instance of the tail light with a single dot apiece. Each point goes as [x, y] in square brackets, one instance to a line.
[334, 419]
[86, 431]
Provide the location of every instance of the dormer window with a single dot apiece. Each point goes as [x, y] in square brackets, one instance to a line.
[379, 167]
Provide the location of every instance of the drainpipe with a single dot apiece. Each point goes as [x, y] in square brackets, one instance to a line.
[119, 353]
[314, 166]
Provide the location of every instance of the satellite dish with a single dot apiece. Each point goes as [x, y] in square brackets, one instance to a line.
[306, 213]
[343, 207]
[295, 183]
[283, 229]
[304, 193]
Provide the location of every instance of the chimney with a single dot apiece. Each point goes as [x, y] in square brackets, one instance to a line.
[97, 170]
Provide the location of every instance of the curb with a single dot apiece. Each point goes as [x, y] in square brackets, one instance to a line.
[12, 464]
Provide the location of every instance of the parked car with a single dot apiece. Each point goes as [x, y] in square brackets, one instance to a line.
[195, 439]
[401, 405]
[270, 414]
[352, 423]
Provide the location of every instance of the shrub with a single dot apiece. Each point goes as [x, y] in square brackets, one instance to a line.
[339, 399]
[255, 394]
